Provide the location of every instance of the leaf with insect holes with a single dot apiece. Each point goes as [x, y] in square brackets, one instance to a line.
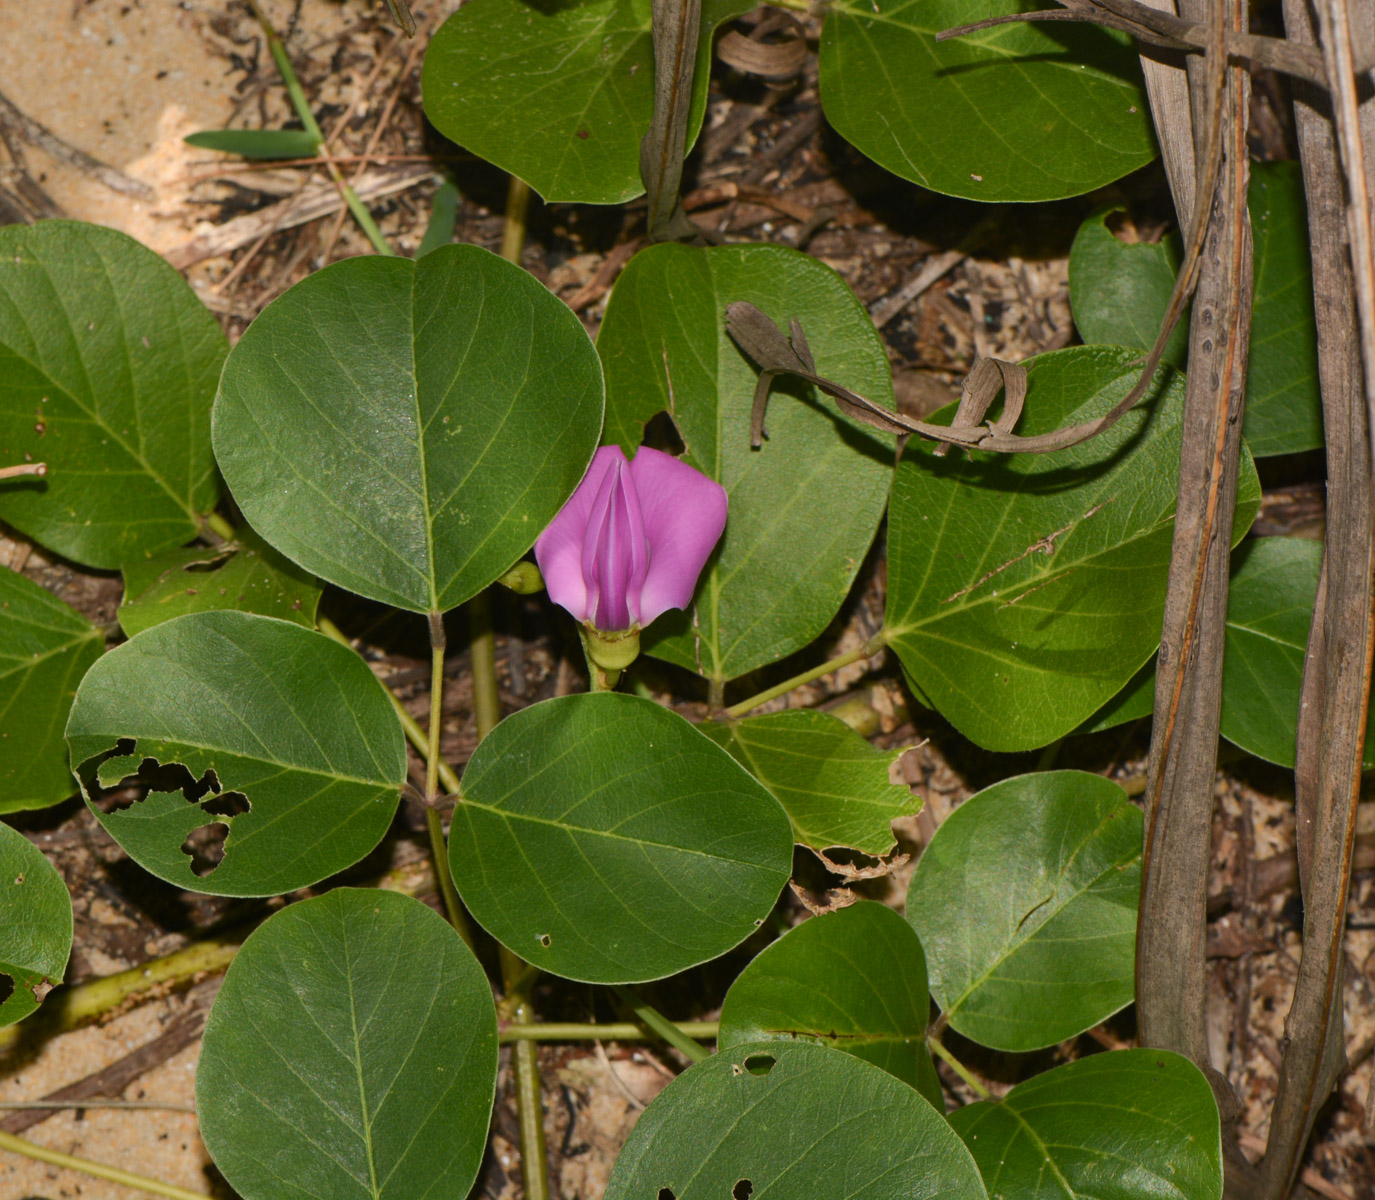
[246, 574]
[602, 838]
[35, 926]
[1025, 590]
[804, 507]
[833, 784]
[1019, 112]
[246, 724]
[558, 94]
[45, 649]
[257, 143]
[1130, 1125]
[350, 1054]
[406, 429]
[778, 1119]
[108, 363]
[853, 979]
[1025, 903]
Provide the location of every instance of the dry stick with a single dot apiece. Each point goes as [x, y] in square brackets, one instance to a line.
[21, 469]
[1172, 923]
[41, 136]
[676, 25]
[1336, 679]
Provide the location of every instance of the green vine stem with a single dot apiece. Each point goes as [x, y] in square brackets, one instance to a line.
[277, 48]
[70, 1162]
[975, 1083]
[452, 904]
[868, 650]
[654, 1020]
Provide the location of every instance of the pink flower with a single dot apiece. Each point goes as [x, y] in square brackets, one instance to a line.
[632, 539]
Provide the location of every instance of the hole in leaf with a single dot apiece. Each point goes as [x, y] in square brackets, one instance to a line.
[227, 804]
[760, 1064]
[204, 846]
[742, 1190]
[666, 1194]
[6, 987]
[662, 434]
[545, 940]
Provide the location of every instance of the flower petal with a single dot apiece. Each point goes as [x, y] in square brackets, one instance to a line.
[614, 556]
[559, 548]
[684, 515]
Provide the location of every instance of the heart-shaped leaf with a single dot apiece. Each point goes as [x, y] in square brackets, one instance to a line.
[773, 1119]
[853, 979]
[1025, 902]
[35, 926]
[557, 94]
[804, 508]
[1120, 292]
[246, 574]
[257, 143]
[1133, 1125]
[602, 838]
[1025, 590]
[831, 782]
[406, 429]
[351, 1053]
[1018, 112]
[269, 737]
[45, 649]
[108, 364]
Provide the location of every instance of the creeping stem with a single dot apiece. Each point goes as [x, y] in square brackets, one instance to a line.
[868, 650]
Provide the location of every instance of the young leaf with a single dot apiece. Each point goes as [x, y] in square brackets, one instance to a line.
[45, 649]
[1132, 1125]
[773, 1119]
[853, 979]
[108, 364]
[439, 231]
[602, 838]
[830, 781]
[1019, 112]
[351, 1053]
[271, 737]
[406, 429]
[558, 94]
[1120, 290]
[1119, 293]
[1025, 590]
[246, 574]
[804, 507]
[1132, 703]
[35, 926]
[257, 143]
[1025, 902]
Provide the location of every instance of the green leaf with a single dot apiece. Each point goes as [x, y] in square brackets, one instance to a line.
[778, 1120]
[1119, 293]
[257, 143]
[443, 217]
[1025, 902]
[108, 364]
[558, 94]
[1019, 112]
[35, 926]
[853, 979]
[1283, 401]
[1132, 703]
[1132, 1125]
[275, 734]
[602, 838]
[350, 1054]
[406, 429]
[831, 782]
[1025, 590]
[1119, 290]
[804, 508]
[246, 574]
[45, 649]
